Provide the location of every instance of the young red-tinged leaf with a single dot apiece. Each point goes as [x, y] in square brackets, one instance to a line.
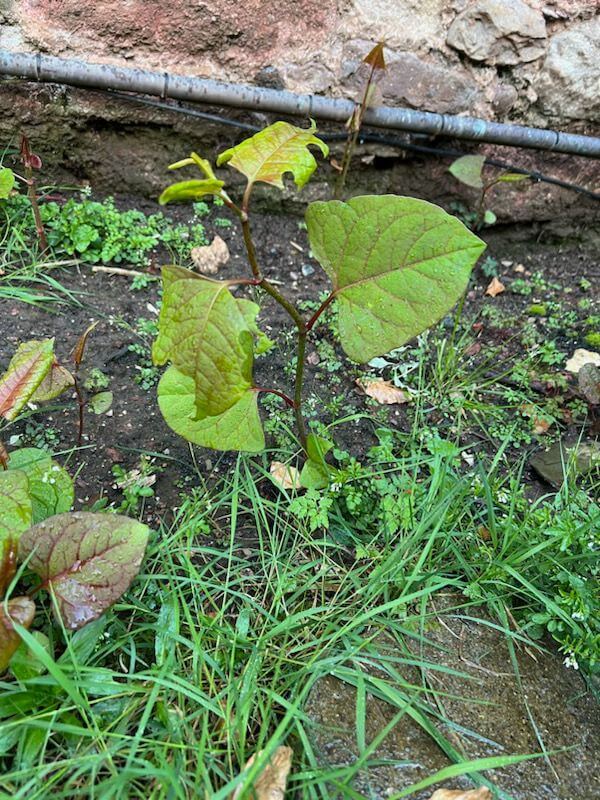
[7, 182]
[85, 560]
[8, 562]
[238, 428]
[272, 152]
[27, 369]
[15, 505]
[57, 380]
[190, 191]
[467, 170]
[50, 487]
[205, 335]
[20, 610]
[397, 264]
[375, 57]
[79, 350]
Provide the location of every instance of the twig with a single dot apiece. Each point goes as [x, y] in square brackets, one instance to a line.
[130, 273]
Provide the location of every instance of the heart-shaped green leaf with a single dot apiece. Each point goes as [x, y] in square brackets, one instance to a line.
[50, 486]
[27, 369]
[85, 560]
[204, 334]
[7, 182]
[397, 266]
[238, 428]
[467, 170]
[190, 191]
[20, 610]
[272, 152]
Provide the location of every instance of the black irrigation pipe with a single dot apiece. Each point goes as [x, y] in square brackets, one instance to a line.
[50, 69]
[376, 138]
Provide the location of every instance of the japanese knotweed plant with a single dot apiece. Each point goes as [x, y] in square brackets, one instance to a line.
[84, 560]
[469, 170]
[34, 375]
[396, 264]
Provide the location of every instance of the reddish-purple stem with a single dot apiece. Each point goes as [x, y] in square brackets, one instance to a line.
[283, 396]
[319, 311]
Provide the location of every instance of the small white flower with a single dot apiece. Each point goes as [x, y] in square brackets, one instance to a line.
[578, 616]
[571, 662]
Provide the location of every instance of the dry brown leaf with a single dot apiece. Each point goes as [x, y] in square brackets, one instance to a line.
[270, 784]
[495, 287]
[581, 357]
[284, 475]
[383, 392]
[210, 258]
[540, 425]
[460, 794]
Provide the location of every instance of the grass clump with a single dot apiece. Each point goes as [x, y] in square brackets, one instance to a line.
[245, 603]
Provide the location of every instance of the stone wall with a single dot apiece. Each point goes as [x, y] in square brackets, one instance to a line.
[533, 62]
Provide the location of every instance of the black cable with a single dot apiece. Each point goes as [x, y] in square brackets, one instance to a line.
[375, 138]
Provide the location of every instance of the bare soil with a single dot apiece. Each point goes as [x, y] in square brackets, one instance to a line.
[135, 425]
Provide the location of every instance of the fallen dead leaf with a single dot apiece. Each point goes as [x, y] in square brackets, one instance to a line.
[270, 784]
[460, 794]
[313, 358]
[473, 349]
[383, 392]
[284, 475]
[581, 357]
[468, 458]
[210, 258]
[495, 287]
[540, 425]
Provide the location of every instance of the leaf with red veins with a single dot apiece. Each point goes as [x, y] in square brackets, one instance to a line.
[20, 610]
[27, 369]
[57, 380]
[85, 560]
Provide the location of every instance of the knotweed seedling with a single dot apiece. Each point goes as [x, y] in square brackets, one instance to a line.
[84, 560]
[375, 62]
[469, 170]
[35, 375]
[396, 265]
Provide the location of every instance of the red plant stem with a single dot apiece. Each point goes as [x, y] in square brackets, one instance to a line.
[293, 312]
[31, 193]
[288, 400]
[81, 404]
[325, 304]
[356, 124]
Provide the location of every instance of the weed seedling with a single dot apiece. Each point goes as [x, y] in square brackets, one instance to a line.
[469, 170]
[85, 561]
[397, 265]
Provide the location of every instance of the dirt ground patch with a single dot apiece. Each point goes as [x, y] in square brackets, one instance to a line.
[534, 274]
